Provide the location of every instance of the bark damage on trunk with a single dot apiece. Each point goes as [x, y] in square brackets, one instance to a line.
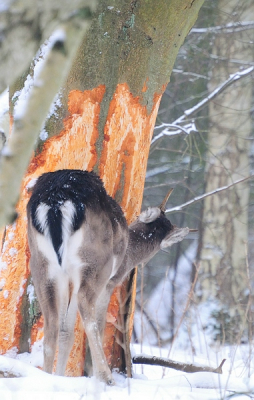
[109, 107]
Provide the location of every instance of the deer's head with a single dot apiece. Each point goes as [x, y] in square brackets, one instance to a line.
[152, 231]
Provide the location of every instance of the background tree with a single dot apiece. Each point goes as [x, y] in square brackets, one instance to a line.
[181, 154]
[224, 239]
[103, 120]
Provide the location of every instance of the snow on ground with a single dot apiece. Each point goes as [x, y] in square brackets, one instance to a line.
[154, 383]
[193, 344]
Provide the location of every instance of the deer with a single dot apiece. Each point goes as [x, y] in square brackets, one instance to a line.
[81, 249]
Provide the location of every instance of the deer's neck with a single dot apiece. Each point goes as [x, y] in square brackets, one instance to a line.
[142, 246]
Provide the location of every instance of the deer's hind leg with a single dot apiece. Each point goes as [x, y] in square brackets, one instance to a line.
[47, 295]
[87, 307]
[68, 315]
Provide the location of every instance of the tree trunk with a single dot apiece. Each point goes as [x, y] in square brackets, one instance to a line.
[225, 218]
[105, 123]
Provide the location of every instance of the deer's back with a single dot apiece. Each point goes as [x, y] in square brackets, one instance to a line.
[75, 225]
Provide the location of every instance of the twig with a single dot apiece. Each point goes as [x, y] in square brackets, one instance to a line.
[9, 374]
[228, 28]
[191, 111]
[203, 196]
[166, 362]
[186, 308]
[232, 78]
[149, 320]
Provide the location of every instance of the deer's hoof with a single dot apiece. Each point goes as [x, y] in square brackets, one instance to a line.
[110, 382]
[107, 378]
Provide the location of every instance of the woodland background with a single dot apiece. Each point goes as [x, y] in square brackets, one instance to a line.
[214, 148]
[203, 142]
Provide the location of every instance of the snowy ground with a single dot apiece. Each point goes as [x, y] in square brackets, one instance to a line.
[154, 383]
[193, 344]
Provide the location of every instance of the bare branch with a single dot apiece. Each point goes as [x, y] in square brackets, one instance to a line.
[187, 129]
[166, 362]
[29, 120]
[232, 79]
[9, 374]
[191, 111]
[203, 196]
[228, 28]
[188, 73]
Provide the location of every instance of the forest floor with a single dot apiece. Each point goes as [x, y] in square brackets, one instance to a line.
[148, 382]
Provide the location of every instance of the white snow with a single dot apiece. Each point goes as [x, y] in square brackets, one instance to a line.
[4, 102]
[30, 292]
[6, 151]
[13, 251]
[59, 35]
[43, 134]
[3, 265]
[31, 183]
[4, 5]
[148, 382]
[2, 283]
[152, 384]
[35, 80]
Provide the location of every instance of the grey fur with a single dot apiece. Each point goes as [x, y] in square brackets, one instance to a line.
[96, 258]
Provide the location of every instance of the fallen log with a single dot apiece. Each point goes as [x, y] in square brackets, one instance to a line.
[165, 362]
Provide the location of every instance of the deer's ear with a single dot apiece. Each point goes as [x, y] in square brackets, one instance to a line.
[175, 236]
[149, 215]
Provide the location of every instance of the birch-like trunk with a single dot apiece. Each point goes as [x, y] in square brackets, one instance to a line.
[225, 220]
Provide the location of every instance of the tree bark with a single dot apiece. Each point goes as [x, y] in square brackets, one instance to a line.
[105, 123]
[224, 274]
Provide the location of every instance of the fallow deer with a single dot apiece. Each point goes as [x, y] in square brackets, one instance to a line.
[81, 249]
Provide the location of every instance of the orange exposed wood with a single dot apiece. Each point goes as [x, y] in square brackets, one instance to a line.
[74, 147]
[128, 130]
[127, 136]
[37, 331]
[145, 87]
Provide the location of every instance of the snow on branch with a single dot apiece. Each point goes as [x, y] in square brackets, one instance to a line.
[228, 28]
[232, 78]
[31, 115]
[174, 130]
[24, 27]
[203, 196]
[179, 366]
[187, 128]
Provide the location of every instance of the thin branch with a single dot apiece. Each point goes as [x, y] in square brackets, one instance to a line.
[187, 129]
[228, 28]
[29, 119]
[166, 362]
[203, 196]
[188, 73]
[184, 129]
[203, 103]
[232, 78]
[8, 374]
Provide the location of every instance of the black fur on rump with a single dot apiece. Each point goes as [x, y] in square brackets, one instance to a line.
[84, 189]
